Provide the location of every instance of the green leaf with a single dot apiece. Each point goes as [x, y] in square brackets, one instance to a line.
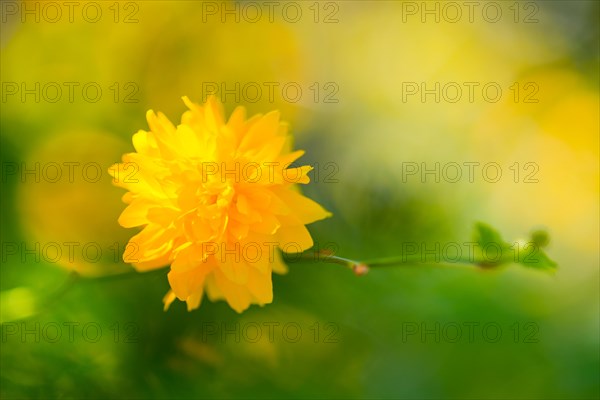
[529, 254]
[539, 260]
[540, 237]
[489, 239]
[534, 256]
[485, 234]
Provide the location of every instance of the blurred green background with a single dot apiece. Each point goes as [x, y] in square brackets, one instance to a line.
[389, 334]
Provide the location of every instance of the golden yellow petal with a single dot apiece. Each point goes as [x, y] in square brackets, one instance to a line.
[278, 265]
[305, 209]
[150, 265]
[294, 238]
[188, 258]
[213, 114]
[260, 286]
[168, 299]
[194, 300]
[237, 296]
[263, 130]
[186, 283]
[213, 291]
[164, 133]
[151, 243]
[289, 158]
[234, 267]
[135, 214]
[268, 225]
[236, 120]
[144, 143]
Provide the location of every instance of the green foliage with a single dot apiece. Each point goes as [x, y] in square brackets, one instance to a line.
[526, 253]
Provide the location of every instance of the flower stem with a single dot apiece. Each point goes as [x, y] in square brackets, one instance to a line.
[362, 267]
[398, 260]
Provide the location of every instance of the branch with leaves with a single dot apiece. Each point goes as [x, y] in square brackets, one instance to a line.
[529, 254]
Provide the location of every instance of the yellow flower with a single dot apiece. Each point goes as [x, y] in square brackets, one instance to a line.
[217, 201]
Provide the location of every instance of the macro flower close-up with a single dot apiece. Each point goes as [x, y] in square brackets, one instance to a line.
[217, 199]
[290, 199]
